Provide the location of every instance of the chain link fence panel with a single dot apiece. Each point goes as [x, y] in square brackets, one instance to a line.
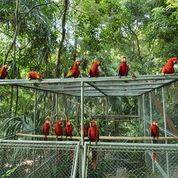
[136, 160]
[34, 159]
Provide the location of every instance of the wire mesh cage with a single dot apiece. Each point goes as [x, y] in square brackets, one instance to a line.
[121, 160]
[38, 159]
[124, 114]
[161, 106]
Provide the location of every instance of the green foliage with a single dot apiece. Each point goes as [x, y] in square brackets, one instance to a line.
[144, 31]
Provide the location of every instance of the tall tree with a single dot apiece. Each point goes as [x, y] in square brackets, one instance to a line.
[61, 47]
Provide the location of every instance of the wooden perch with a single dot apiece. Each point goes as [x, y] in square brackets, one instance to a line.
[111, 138]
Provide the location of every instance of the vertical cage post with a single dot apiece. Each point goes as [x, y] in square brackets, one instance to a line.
[151, 108]
[57, 103]
[144, 121]
[165, 129]
[151, 119]
[84, 161]
[17, 100]
[164, 114]
[82, 111]
[138, 106]
[139, 112]
[81, 128]
[11, 101]
[35, 111]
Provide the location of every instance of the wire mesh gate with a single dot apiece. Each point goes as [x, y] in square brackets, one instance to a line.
[38, 159]
[130, 160]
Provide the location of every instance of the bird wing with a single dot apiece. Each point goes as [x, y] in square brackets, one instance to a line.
[1, 71]
[69, 73]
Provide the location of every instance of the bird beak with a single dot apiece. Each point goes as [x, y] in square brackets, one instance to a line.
[8, 68]
[99, 68]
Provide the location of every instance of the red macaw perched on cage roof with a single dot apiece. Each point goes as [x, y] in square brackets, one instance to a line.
[168, 68]
[4, 71]
[33, 75]
[58, 128]
[123, 68]
[95, 69]
[74, 71]
[93, 135]
[46, 127]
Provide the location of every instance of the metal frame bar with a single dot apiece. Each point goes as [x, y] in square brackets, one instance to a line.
[82, 118]
[82, 111]
[76, 160]
[36, 143]
[35, 111]
[57, 103]
[165, 129]
[139, 146]
[42, 89]
[164, 113]
[11, 101]
[151, 119]
[152, 82]
[144, 122]
[86, 79]
[97, 88]
[151, 107]
[84, 161]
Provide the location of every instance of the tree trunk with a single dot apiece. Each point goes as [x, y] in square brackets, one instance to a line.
[17, 27]
[58, 65]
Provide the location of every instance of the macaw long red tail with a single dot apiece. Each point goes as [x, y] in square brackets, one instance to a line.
[94, 159]
[154, 156]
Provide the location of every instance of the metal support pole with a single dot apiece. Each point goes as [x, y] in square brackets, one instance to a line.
[84, 161]
[165, 130]
[57, 103]
[11, 101]
[17, 100]
[151, 108]
[76, 160]
[144, 122]
[35, 110]
[138, 106]
[151, 119]
[53, 106]
[82, 112]
[139, 109]
[164, 114]
[81, 127]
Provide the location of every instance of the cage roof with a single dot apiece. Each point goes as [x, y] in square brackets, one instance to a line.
[101, 86]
